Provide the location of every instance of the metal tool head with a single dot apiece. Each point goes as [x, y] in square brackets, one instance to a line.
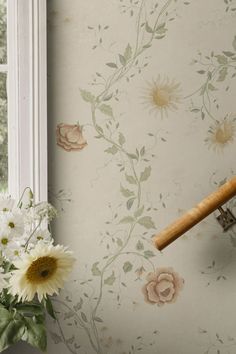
[226, 218]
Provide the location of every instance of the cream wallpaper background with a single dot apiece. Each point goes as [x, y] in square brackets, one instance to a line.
[142, 125]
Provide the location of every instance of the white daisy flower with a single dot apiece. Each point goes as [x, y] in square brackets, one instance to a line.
[13, 223]
[13, 252]
[41, 235]
[5, 239]
[6, 202]
[41, 272]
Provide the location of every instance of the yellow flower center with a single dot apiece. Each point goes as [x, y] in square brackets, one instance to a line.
[224, 134]
[4, 241]
[5, 209]
[161, 97]
[11, 224]
[41, 270]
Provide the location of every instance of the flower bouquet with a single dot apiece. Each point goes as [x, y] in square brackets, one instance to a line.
[32, 269]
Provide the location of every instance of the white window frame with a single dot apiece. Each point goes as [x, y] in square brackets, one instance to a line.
[27, 97]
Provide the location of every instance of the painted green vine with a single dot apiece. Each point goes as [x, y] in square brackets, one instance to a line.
[136, 170]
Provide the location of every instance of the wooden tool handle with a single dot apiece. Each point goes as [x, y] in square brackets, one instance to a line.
[193, 216]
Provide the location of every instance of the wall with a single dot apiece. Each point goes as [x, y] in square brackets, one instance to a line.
[142, 125]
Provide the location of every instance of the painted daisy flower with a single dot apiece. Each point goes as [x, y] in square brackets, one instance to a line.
[41, 272]
[162, 96]
[222, 134]
[13, 223]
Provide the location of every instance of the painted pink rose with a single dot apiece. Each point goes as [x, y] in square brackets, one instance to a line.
[163, 286]
[70, 137]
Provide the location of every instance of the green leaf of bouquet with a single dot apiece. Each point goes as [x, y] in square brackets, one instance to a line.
[35, 334]
[147, 222]
[49, 307]
[30, 309]
[12, 328]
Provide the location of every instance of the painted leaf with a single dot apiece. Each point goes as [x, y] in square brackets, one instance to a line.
[119, 242]
[127, 267]
[139, 246]
[56, 338]
[95, 270]
[127, 220]
[130, 203]
[139, 212]
[84, 318]
[79, 304]
[142, 151]
[128, 52]
[133, 156]
[112, 65]
[112, 150]
[201, 72]
[234, 43]
[121, 139]
[98, 319]
[148, 28]
[222, 74]
[147, 222]
[149, 254]
[87, 96]
[221, 59]
[212, 87]
[106, 109]
[130, 179]
[122, 59]
[126, 192]
[145, 174]
[228, 54]
[110, 280]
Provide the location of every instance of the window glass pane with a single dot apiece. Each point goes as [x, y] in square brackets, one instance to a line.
[3, 32]
[3, 133]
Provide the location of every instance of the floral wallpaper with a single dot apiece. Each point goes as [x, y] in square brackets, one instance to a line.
[142, 125]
